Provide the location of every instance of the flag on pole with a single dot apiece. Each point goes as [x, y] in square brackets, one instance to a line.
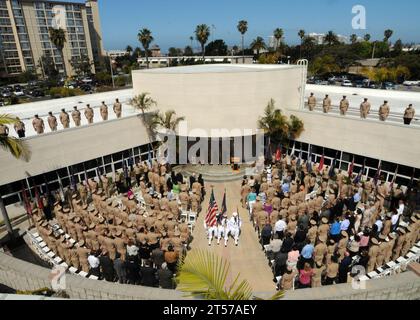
[360, 175]
[61, 189]
[412, 180]
[321, 163]
[212, 211]
[292, 154]
[309, 160]
[391, 186]
[38, 199]
[351, 168]
[224, 207]
[331, 173]
[25, 198]
[72, 180]
[378, 174]
[299, 159]
[278, 153]
[268, 154]
[149, 157]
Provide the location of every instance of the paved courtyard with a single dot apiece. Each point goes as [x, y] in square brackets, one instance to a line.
[248, 259]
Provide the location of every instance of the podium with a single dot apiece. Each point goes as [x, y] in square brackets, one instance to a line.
[235, 163]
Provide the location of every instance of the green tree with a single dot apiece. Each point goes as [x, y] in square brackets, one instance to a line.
[367, 37]
[58, 38]
[353, 38]
[143, 102]
[145, 37]
[324, 64]
[167, 120]
[188, 51]
[398, 47]
[82, 65]
[278, 35]
[278, 127]
[331, 38]
[258, 44]
[202, 34]
[301, 35]
[243, 28]
[173, 52]
[203, 275]
[216, 48]
[387, 35]
[16, 147]
[129, 50]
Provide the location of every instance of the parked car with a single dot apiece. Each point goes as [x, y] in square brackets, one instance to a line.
[411, 83]
[6, 93]
[18, 92]
[86, 88]
[347, 83]
[322, 82]
[388, 86]
[358, 83]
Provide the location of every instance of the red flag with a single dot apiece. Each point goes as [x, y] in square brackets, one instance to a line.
[38, 199]
[321, 164]
[28, 207]
[351, 168]
[278, 154]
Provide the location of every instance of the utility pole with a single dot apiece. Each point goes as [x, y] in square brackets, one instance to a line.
[112, 72]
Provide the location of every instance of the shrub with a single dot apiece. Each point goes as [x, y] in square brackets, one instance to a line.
[62, 92]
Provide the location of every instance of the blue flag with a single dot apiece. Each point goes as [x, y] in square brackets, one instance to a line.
[224, 207]
[360, 175]
[331, 173]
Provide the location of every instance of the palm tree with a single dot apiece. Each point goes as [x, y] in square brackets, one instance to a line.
[145, 37]
[167, 120]
[58, 38]
[367, 37]
[16, 147]
[243, 28]
[331, 38]
[278, 35]
[192, 39]
[203, 274]
[142, 102]
[301, 35]
[129, 49]
[202, 33]
[388, 34]
[353, 38]
[258, 44]
[278, 127]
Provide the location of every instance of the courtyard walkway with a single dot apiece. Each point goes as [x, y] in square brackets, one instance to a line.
[248, 259]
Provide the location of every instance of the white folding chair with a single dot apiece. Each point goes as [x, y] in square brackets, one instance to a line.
[42, 244]
[46, 249]
[184, 215]
[58, 260]
[65, 265]
[73, 270]
[35, 234]
[192, 218]
[93, 277]
[38, 239]
[83, 274]
[51, 254]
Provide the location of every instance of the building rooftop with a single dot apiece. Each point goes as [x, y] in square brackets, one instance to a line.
[218, 68]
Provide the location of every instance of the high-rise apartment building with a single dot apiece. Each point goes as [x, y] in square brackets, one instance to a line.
[24, 34]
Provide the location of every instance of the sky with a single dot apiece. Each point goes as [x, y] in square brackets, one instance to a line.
[173, 22]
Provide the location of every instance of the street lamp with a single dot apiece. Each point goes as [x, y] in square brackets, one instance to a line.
[112, 71]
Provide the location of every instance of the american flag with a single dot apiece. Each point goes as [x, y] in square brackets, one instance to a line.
[211, 220]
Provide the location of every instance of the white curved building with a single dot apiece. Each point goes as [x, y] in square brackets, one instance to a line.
[219, 96]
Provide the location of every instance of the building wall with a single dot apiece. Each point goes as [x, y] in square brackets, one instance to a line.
[92, 47]
[227, 100]
[370, 138]
[54, 151]
[21, 275]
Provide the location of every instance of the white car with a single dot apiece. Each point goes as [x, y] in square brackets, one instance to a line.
[347, 83]
[411, 83]
[19, 93]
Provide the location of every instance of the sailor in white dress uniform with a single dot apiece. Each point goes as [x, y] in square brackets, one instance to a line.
[234, 225]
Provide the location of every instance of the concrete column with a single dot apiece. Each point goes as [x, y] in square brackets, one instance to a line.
[6, 218]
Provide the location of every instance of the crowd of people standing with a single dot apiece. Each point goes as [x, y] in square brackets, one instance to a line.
[315, 226]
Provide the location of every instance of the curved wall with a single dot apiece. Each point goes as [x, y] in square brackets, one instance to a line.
[22, 275]
[215, 96]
